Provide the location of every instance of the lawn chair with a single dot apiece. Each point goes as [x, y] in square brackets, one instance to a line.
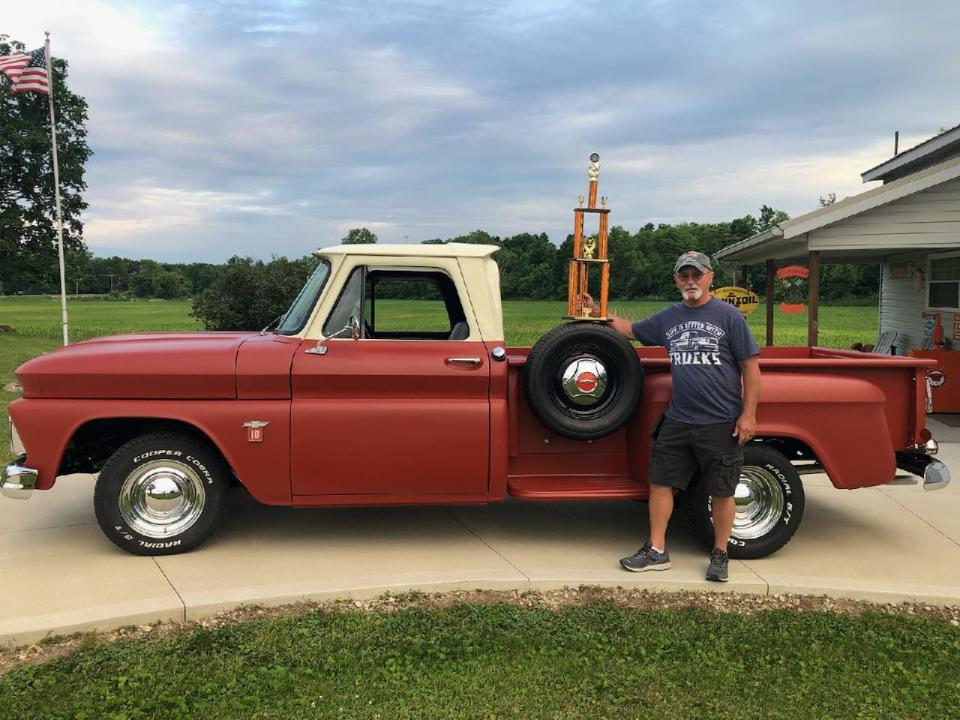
[886, 344]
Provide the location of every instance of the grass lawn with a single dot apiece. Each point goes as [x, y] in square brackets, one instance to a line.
[594, 660]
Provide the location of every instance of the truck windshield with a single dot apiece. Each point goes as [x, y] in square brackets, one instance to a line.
[298, 313]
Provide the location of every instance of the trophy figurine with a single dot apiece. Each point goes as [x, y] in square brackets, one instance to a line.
[588, 250]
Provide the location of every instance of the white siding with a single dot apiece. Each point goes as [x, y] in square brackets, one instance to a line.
[927, 219]
[902, 306]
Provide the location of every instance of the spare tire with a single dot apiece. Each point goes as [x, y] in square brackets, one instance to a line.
[583, 380]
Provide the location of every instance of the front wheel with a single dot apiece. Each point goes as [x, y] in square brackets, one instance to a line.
[161, 494]
[769, 500]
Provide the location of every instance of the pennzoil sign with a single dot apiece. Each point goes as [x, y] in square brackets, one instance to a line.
[742, 299]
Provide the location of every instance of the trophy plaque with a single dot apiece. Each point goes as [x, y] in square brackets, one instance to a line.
[588, 251]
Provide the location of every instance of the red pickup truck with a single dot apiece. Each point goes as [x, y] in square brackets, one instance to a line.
[353, 400]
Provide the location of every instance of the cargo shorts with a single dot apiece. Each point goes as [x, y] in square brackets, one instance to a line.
[682, 450]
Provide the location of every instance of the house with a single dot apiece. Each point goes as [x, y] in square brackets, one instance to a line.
[910, 224]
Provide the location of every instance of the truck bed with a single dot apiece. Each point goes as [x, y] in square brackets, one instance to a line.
[815, 404]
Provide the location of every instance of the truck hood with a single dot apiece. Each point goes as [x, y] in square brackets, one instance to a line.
[168, 366]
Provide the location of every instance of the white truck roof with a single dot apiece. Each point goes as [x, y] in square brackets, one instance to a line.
[411, 250]
[474, 264]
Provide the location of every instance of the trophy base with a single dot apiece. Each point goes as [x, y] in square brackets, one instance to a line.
[593, 319]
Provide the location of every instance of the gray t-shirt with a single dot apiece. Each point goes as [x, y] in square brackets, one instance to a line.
[706, 345]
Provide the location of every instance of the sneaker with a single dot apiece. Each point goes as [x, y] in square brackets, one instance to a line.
[646, 558]
[717, 572]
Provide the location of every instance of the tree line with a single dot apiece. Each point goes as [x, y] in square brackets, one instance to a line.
[244, 293]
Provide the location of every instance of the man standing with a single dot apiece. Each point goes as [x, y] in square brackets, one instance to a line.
[712, 412]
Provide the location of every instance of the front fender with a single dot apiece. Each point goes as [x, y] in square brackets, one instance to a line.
[46, 426]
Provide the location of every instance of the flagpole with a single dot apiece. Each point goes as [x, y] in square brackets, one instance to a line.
[56, 193]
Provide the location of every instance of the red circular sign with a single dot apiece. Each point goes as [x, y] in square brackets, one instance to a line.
[586, 382]
[937, 378]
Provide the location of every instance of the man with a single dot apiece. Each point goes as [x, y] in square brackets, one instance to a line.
[713, 358]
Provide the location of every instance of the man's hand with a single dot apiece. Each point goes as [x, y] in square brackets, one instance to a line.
[589, 305]
[747, 422]
[621, 325]
[746, 428]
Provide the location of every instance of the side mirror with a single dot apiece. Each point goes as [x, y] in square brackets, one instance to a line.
[352, 327]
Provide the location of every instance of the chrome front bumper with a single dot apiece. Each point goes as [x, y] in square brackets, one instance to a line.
[18, 482]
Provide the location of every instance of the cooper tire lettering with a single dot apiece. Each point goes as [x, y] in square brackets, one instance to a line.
[201, 467]
[136, 484]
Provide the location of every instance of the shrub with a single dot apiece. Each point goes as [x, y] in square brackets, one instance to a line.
[249, 295]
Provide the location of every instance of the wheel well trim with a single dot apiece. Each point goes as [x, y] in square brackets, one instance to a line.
[178, 423]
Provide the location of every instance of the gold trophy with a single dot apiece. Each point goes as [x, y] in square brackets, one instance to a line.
[588, 250]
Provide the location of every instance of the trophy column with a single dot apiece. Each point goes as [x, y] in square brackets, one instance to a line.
[589, 250]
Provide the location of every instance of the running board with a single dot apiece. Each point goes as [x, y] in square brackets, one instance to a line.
[576, 487]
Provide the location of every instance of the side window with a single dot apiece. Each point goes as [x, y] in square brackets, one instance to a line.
[420, 305]
[349, 303]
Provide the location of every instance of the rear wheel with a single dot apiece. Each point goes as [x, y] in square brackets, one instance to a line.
[769, 500]
[161, 494]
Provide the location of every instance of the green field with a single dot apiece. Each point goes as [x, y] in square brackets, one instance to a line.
[36, 324]
[524, 321]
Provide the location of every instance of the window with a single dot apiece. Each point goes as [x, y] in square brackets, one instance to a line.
[415, 304]
[348, 304]
[943, 282]
[298, 313]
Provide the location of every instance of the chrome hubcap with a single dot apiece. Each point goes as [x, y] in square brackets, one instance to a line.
[162, 498]
[760, 501]
[584, 381]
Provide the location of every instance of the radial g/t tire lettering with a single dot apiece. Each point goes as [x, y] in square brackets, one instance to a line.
[583, 380]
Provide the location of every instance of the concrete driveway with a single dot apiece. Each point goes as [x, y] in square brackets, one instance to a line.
[59, 573]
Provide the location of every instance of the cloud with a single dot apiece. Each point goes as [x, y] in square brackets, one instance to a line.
[238, 127]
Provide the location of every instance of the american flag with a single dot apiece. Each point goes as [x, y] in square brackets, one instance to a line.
[27, 70]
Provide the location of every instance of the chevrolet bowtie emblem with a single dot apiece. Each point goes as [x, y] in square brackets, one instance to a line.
[255, 430]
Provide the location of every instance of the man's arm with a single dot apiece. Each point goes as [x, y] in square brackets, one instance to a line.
[621, 325]
[750, 375]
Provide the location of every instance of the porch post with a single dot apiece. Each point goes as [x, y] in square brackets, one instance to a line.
[770, 278]
[813, 318]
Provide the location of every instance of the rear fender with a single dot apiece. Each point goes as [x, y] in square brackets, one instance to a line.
[841, 419]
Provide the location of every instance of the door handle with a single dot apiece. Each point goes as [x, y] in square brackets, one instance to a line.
[463, 361]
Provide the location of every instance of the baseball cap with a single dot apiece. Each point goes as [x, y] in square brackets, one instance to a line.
[697, 259]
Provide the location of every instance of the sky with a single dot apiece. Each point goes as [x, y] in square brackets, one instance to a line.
[272, 128]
